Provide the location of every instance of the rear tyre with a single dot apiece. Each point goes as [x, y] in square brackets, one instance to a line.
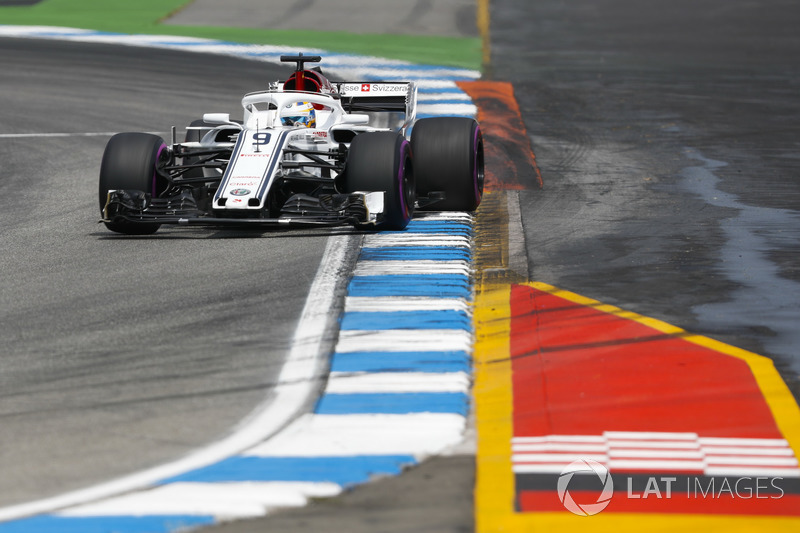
[381, 161]
[129, 162]
[448, 157]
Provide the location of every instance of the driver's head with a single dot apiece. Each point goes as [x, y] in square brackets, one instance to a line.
[299, 114]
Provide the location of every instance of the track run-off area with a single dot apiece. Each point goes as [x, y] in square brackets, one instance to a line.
[587, 416]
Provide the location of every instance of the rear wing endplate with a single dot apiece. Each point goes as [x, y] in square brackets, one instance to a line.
[366, 96]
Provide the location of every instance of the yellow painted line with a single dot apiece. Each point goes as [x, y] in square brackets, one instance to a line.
[494, 488]
[494, 485]
[483, 29]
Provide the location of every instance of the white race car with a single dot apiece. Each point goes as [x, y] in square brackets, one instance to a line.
[307, 152]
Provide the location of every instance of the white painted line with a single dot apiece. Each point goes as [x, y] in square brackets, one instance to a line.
[554, 468]
[662, 444]
[402, 303]
[751, 461]
[655, 466]
[297, 385]
[654, 454]
[550, 447]
[368, 382]
[157, 41]
[26, 31]
[732, 450]
[417, 434]
[567, 457]
[753, 472]
[404, 340]
[415, 239]
[648, 435]
[377, 268]
[559, 438]
[222, 500]
[719, 441]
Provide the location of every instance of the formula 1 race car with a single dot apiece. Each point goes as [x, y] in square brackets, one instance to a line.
[307, 152]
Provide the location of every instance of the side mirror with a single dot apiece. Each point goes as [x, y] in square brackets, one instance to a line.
[355, 118]
[217, 118]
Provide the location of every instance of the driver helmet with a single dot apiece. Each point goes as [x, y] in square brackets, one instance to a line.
[299, 114]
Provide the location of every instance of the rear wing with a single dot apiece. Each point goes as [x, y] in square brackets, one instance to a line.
[379, 96]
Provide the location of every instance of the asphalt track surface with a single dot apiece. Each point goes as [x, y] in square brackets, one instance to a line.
[122, 353]
[420, 17]
[666, 135]
[632, 108]
[667, 138]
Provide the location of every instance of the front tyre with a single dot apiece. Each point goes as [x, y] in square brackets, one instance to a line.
[381, 161]
[448, 157]
[129, 162]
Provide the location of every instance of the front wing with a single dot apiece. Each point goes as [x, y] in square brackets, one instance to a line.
[358, 208]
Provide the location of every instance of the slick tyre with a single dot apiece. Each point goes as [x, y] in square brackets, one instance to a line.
[129, 162]
[448, 158]
[381, 161]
